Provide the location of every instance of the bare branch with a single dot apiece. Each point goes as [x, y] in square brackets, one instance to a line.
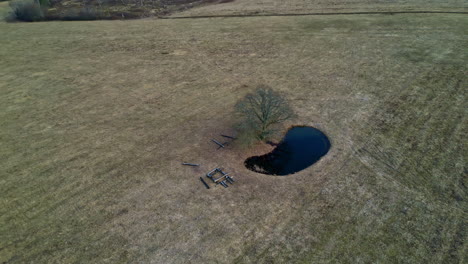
[263, 109]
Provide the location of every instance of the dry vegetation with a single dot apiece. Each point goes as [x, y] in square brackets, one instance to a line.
[79, 10]
[120, 9]
[249, 7]
[95, 118]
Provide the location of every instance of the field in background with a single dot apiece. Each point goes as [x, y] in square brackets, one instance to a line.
[120, 9]
[252, 7]
[95, 118]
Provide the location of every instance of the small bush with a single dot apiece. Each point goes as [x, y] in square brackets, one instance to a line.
[44, 3]
[28, 11]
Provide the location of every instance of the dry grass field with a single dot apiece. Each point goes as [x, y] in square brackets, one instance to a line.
[96, 117]
[249, 7]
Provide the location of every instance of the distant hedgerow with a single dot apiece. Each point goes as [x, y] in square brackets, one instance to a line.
[84, 13]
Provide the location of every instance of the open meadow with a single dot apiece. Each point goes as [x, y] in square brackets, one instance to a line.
[269, 7]
[96, 118]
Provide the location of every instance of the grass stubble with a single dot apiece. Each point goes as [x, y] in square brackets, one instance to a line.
[97, 116]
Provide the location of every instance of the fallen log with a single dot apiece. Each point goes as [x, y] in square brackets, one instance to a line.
[190, 164]
[210, 174]
[230, 179]
[226, 136]
[206, 185]
[219, 144]
[216, 180]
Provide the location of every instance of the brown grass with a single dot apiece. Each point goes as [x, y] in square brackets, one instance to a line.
[251, 7]
[96, 117]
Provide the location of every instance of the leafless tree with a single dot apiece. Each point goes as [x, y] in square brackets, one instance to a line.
[262, 110]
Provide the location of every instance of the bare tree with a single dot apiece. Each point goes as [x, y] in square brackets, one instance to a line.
[262, 110]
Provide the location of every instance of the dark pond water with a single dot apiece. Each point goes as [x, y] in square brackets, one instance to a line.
[300, 148]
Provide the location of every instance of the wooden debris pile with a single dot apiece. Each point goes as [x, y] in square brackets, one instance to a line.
[224, 179]
[217, 175]
[222, 145]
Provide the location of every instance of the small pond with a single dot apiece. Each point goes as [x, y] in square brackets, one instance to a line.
[301, 147]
